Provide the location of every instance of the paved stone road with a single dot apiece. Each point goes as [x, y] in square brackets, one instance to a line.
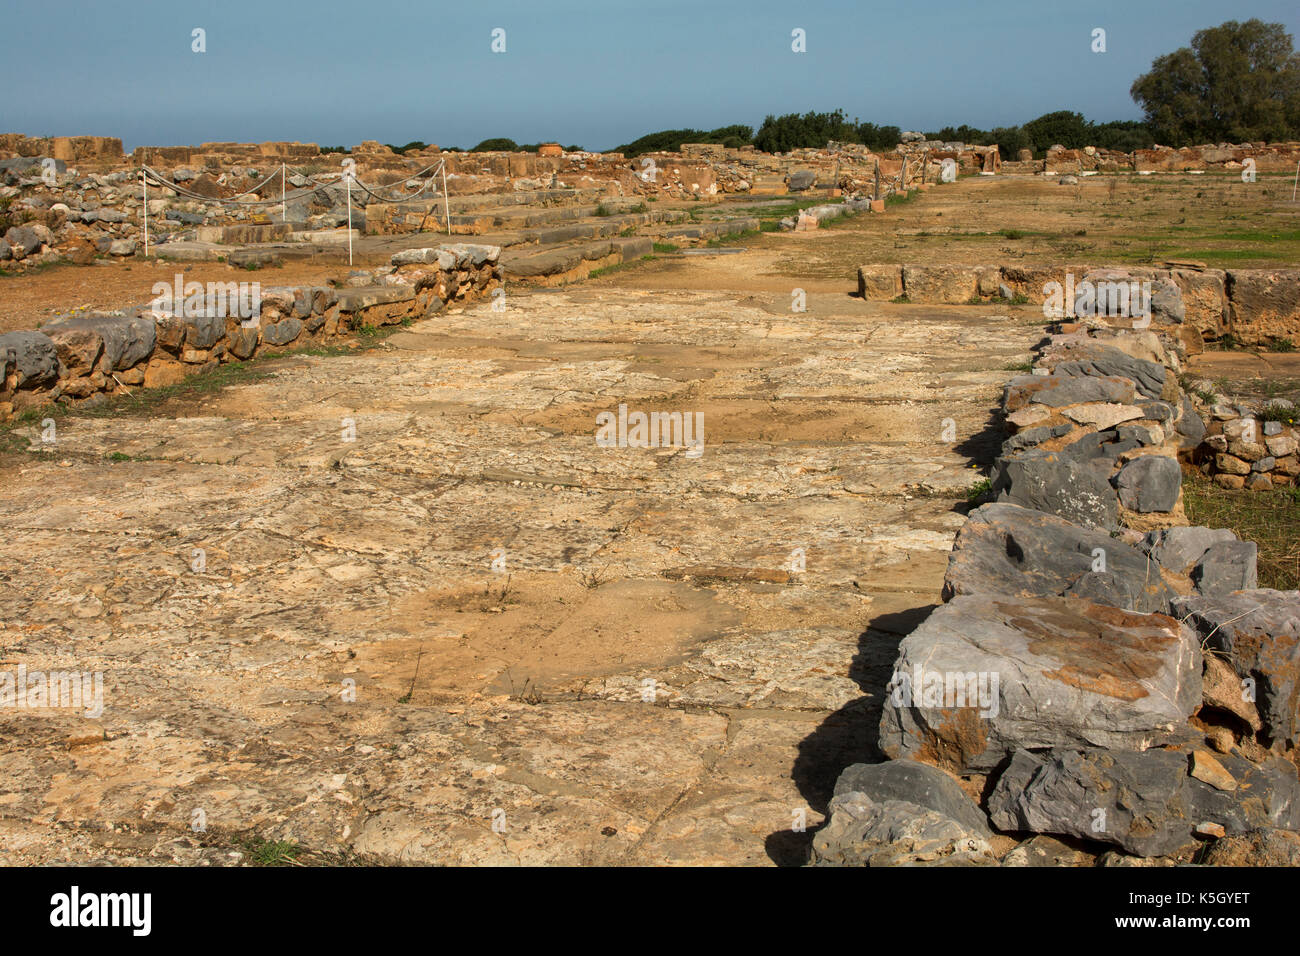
[628, 573]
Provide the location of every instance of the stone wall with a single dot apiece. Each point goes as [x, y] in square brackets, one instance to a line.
[1098, 671]
[1200, 304]
[86, 358]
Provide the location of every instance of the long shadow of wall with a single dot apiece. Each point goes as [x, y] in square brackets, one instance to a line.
[851, 734]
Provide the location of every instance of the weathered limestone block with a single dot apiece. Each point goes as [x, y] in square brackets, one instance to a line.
[118, 342]
[1057, 484]
[1006, 549]
[950, 285]
[1264, 303]
[985, 675]
[1146, 803]
[1205, 299]
[880, 283]
[35, 358]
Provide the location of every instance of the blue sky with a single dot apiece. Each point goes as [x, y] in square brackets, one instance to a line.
[596, 74]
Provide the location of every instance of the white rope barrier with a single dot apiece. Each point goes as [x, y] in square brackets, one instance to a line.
[433, 169]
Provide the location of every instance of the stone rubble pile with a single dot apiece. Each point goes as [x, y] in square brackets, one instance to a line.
[1256, 447]
[90, 357]
[1099, 673]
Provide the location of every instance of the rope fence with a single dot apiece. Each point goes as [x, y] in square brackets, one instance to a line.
[347, 177]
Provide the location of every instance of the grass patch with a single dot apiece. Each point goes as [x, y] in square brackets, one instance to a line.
[1269, 518]
[602, 211]
[1277, 413]
[729, 238]
[272, 852]
[1018, 367]
[617, 267]
[665, 247]
[976, 492]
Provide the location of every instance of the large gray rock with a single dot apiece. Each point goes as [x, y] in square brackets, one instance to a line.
[1049, 481]
[1179, 549]
[1226, 567]
[1006, 549]
[1189, 425]
[472, 253]
[1106, 361]
[1149, 483]
[985, 675]
[1258, 632]
[34, 356]
[444, 259]
[282, 332]
[864, 832]
[802, 179]
[116, 342]
[1167, 303]
[1064, 387]
[23, 238]
[917, 783]
[1146, 803]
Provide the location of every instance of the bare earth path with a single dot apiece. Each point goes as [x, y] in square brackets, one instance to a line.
[628, 574]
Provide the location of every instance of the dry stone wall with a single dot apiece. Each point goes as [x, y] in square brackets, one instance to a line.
[1092, 673]
[89, 357]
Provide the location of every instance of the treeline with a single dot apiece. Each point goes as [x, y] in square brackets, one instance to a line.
[670, 140]
[1067, 129]
[813, 130]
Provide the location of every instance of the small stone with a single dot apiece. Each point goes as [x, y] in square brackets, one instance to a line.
[1211, 830]
[1208, 770]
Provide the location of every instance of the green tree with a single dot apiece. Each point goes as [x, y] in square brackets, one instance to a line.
[1237, 82]
[497, 144]
[1068, 129]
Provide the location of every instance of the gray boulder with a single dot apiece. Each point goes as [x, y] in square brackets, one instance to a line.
[1107, 361]
[282, 332]
[34, 356]
[122, 341]
[1062, 388]
[864, 832]
[24, 238]
[1006, 549]
[1179, 549]
[1167, 303]
[917, 783]
[1149, 483]
[1143, 802]
[1190, 425]
[985, 675]
[1049, 481]
[1225, 567]
[802, 179]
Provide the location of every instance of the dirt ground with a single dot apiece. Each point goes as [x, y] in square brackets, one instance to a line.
[671, 664]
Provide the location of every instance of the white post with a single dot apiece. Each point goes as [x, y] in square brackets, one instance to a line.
[144, 210]
[284, 210]
[1297, 181]
[446, 203]
[349, 179]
